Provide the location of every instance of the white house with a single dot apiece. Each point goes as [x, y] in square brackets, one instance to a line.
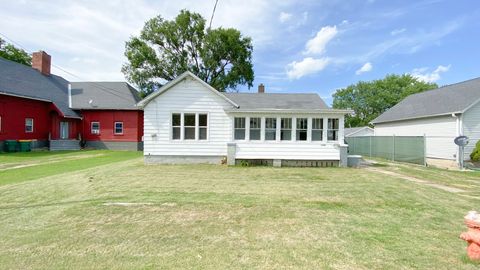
[359, 131]
[188, 121]
[441, 115]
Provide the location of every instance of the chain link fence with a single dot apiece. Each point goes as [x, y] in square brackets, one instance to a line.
[409, 149]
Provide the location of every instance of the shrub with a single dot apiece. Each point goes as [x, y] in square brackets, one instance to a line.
[475, 155]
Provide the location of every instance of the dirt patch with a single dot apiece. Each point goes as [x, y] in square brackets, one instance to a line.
[12, 166]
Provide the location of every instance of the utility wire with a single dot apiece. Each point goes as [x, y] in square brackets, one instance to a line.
[98, 86]
[213, 13]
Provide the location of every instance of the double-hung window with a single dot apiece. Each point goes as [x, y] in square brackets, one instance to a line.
[286, 129]
[255, 128]
[189, 126]
[239, 126]
[194, 126]
[332, 131]
[302, 127]
[317, 129]
[270, 129]
[28, 125]
[95, 128]
[176, 126]
[118, 128]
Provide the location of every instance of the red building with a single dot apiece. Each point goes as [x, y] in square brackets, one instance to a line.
[47, 109]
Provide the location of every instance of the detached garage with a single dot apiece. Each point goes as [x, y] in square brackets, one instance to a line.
[441, 115]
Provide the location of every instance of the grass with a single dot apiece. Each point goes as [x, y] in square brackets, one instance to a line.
[219, 217]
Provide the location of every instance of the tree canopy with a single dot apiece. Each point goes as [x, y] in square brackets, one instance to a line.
[165, 49]
[370, 99]
[10, 52]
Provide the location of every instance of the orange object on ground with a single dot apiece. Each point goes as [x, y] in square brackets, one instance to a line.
[472, 236]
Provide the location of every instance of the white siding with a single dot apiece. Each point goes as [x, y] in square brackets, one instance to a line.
[440, 133]
[363, 132]
[187, 96]
[287, 150]
[471, 128]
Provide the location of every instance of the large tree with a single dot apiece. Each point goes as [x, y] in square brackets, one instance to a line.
[370, 99]
[10, 52]
[165, 49]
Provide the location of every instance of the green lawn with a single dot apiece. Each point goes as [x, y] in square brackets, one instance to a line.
[59, 212]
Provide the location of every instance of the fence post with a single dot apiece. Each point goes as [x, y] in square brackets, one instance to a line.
[393, 151]
[370, 146]
[424, 149]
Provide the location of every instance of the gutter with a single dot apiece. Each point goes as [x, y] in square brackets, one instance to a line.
[413, 118]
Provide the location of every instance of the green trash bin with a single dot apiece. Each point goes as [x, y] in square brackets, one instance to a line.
[10, 146]
[25, 145]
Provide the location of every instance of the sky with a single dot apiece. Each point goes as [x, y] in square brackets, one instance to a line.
[299, 46]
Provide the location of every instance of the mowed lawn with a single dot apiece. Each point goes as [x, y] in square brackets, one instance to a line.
[107, 210]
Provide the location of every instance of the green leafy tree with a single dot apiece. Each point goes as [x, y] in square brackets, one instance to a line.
[10, 52]
[165, 49]
[370, 99]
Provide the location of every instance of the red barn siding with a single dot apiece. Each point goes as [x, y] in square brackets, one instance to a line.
[132, 125]
[14, 110]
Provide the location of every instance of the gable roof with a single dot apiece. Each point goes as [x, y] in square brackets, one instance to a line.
[351, 131]
[104, 95]
[180, 78]
[454, 98]
[24, 81]
[275, 101]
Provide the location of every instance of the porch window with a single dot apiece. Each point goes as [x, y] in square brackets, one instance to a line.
[239, 126]
[202, 126]
[332, 132]
[302, 127]
[29, 125]
[176, 126]
[95, 128]
[286, 129]
[317, 129]
[118, 128]
[270, 129]
[255, 128]
[189, 126]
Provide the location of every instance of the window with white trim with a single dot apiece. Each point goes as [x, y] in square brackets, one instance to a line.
[189, 126]
[176, 126]
[286, 129]
[239, 128]
[317, 129]
[95, 128]
[28, 125]
[332, 131]
[118, 128]
[255, 128]
[270, 129]
[302, 127]
[202, 126]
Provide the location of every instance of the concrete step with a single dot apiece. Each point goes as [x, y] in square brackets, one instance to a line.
[63, 145]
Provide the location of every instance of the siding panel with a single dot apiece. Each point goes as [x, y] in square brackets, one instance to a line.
[471, 128]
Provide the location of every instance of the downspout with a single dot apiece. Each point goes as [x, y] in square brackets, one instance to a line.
[70, 95]
[458, 132]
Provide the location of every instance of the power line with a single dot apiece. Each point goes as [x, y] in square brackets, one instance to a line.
[99, 86]
[213, 13]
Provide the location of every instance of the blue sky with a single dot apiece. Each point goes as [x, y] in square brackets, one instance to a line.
[299, 46]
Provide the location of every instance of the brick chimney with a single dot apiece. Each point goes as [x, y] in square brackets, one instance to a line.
[261, 88]
[41, 62]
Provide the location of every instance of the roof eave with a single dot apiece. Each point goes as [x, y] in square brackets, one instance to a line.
[413, 118]
[315, 111]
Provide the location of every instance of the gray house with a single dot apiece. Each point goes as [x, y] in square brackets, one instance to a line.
[441, 115]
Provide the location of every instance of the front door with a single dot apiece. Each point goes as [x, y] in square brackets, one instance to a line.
[63, 130]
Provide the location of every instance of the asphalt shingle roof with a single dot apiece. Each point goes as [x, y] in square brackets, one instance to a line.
[22, 80]
[448, 99]
[104, 95]
[266, 101]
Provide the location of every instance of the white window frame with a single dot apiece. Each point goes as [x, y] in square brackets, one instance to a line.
[291, 128]
[320, 120]
[333, 129]
[115, 128]
[197, 126]
[256, 128]
[244, 128]
[298, 129]
[275, 122]
[92, 131]
[26, 125]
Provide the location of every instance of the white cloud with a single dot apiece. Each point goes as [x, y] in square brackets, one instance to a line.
[284, 17]
[309, 65]
[397, 31]
[365, 68]
[317, 44]
[423, 74]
